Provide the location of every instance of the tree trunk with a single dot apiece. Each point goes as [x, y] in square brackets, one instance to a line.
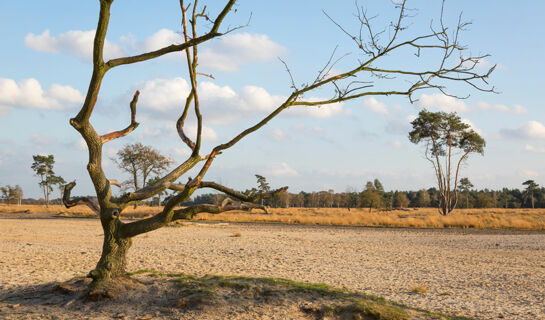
[45, 197]
[113, 262]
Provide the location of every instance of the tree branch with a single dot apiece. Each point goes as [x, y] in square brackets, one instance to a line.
[133, 125]
[181, 121]
[70, 202]
[174, 48]
[233, 193]
[160, 185]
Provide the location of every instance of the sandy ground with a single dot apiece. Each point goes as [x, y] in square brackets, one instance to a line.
[478, 273]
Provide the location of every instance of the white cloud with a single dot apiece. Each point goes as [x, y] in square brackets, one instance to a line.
[515, 109]
[75, 42]
[168, 130]
[208, 134]
[283, 169]
[226, 53]
[442, 102]
[530, 148]
[164, 95]
[160, 39]
[529, 130]
[223, 54]
[221, 104]
[28, 93]
[472, 126]
[376, 106]
[230, 52]
[482, 63]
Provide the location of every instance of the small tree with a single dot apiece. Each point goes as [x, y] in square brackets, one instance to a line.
[43, 167]
[10, 194]
[370, 197]
[19, 194]
[262, 186]
[443, 134]
[531, 187]
[140, 161]
[464, 186]
[401, 200]
[423, 199]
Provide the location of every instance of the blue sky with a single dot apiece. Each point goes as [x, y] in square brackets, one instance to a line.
[45, 69]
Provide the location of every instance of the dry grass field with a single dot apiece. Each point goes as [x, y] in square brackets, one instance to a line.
[524, 219]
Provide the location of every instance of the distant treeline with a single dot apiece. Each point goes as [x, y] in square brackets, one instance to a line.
[375, 197]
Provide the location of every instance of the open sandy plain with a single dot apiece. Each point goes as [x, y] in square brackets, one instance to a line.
[486, 274]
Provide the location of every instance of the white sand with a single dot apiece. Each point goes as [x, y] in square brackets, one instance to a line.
[483, 274]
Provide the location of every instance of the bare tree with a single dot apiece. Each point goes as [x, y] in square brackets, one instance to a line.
[345, 85]
[444, 134]
[10, 193]
[140, 161]
[19, 194]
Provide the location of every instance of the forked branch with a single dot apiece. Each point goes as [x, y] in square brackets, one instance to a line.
[70, 202]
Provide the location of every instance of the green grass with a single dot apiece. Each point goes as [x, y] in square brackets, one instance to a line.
[339, 303]
[372, 309]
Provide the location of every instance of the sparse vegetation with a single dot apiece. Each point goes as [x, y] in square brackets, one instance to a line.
[419, 288]
[498, 218]
[316, 299]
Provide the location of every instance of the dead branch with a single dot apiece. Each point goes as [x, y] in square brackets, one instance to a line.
[233, 193]
[160, 185]
[192, 69]
[181, 121]
[175, 48]
[133, 125]
[114, 182]
[70, 202]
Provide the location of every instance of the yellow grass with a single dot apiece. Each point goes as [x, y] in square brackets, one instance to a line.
[526, 219]
[419, 288]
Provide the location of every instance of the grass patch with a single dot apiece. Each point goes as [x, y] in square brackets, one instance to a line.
[370, 309]
[420, 288]
[316, 299]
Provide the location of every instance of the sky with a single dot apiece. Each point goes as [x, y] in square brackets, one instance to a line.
[45, 68]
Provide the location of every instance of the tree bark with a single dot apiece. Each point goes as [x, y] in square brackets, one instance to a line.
[113, 262]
